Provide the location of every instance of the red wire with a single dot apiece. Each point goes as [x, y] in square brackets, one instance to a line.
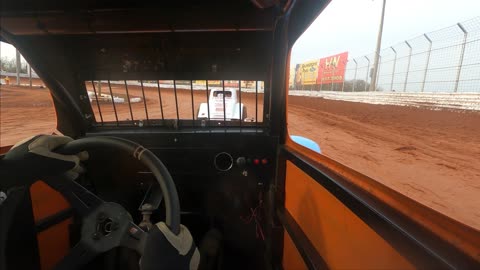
[253, 216]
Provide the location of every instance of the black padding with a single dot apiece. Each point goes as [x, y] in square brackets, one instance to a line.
[159, 254]
[21, 244]
[7, 211]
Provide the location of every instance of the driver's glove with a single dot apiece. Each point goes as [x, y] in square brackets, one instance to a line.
[32, 159]
[165, 250]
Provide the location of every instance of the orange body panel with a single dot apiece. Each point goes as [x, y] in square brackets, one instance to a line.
[291, 257]
[341, 238]
[455, 233]
[54, 242]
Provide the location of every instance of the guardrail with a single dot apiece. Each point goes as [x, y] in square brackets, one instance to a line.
[454, 101]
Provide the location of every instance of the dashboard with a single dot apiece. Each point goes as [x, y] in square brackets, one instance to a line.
[221, 180]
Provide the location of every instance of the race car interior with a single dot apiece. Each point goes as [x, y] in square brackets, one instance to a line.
[221, 171]
[222, 168]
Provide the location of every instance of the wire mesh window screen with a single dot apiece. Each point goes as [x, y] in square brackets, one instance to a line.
[185, 103]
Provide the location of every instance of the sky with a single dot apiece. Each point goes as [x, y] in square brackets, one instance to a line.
[7, 50]
[352, 25]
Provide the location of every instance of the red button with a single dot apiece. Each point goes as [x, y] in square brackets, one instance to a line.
[264, 161]
[256, 161]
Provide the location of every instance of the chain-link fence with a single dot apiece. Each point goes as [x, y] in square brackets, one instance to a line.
[447, 60]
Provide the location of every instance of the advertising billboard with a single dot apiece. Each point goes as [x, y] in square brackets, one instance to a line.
[309, 72]
[331, 69]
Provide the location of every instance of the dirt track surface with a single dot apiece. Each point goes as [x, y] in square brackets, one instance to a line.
[431, 156]
[25, 112]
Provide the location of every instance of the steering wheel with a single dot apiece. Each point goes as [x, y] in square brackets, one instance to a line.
[106, 225]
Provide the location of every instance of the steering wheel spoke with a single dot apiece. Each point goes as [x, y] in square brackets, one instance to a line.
[79, 255]
[106, 228]
[79, 197]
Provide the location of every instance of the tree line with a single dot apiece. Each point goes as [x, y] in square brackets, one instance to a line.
[10, 65]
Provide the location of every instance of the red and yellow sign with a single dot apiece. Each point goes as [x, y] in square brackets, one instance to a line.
[332, 69]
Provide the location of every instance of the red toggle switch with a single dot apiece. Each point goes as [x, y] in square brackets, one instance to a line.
[264, 161]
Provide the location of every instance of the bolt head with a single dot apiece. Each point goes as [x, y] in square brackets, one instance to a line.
[95, 236]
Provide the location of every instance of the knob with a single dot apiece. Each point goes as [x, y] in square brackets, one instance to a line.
[241, 162]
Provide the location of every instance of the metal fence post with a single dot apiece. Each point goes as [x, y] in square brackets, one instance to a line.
[393, 70]
[368, 71]
[462, 53]
[99, 88]
[303, 79]
[428, 60]
[30, 75]
[18, 65]
[331, 84]
[378, 73]
[343, 81]
[331, 78]
[321, 81]
[354, 76]
[408, 65]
